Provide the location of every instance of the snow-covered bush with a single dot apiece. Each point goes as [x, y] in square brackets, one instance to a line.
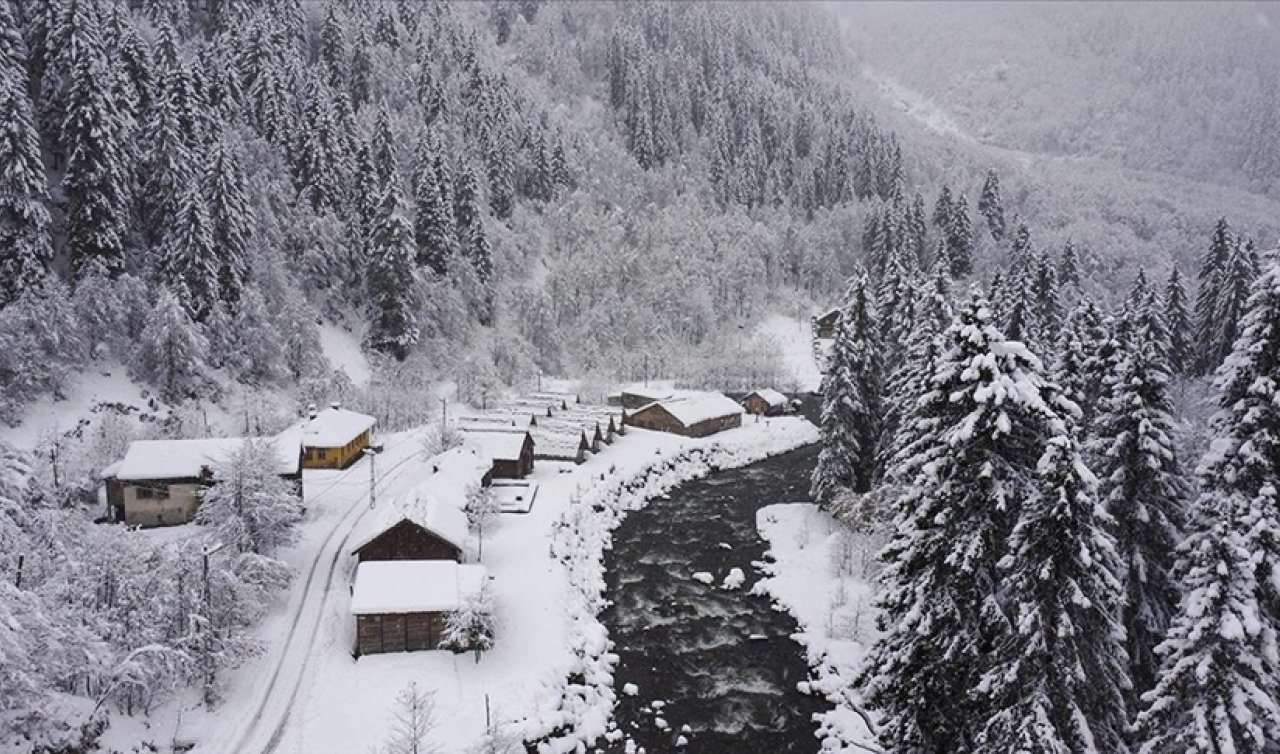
[473, 625]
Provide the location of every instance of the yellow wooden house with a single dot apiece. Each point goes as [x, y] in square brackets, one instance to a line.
[335, 438]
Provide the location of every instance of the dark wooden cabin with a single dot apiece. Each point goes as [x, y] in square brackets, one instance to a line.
[409, 540]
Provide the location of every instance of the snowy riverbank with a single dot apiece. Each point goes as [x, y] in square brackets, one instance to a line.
[820, 574]
[579, 710]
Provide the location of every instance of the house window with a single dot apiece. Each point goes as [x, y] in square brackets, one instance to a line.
[152, 492]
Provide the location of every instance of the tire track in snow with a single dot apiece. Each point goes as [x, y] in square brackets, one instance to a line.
[252, 729]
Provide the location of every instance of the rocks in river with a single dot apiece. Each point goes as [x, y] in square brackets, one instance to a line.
[630, 689]
[734, 580]
[704, 577]
[758, 637]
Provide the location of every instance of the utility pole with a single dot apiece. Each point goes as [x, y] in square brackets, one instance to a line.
[444, 414]
[208, 624]
[17, 581]
[373, 476]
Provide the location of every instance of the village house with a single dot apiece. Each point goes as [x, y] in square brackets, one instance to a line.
[511, 452]
[690, 414]
[402, 605]
[765, 402]
[427, 530]
[826, 324]
[158, 482]
[335, 438]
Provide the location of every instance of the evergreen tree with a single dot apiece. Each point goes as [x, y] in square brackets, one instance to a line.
[382, 147]
[981, 428]
[230, 219]
[96, 180]
[393, 326]
[1234, 280]
[1058, 679]
[25, 248]
[851, 400]
[333, 49]
[1144, 492]
[1178, 322]
[168, 167]
[472, 240]
[1069, 266]
[960, 239]
[434, 229]
[943, 209]
[170, 350]
[189, 261]
[251, 507]
[1212, 267]
[990, 205]
[1048, 309]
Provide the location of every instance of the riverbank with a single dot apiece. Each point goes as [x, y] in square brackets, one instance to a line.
[820, 572]
[580, 711]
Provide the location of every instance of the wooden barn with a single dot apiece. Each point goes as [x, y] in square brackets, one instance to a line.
[335, 438]
[158, 482]
[691, 415]
[434, 531]
[826, 324]
[402, 605]
[765, 402]
[511, 452]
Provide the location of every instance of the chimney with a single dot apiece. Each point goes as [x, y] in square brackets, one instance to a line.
[311, 410]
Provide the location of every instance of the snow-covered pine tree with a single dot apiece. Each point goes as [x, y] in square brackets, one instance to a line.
[382, 146]
[230, 218]
[333, 48]
[473, 625]
[1058, 679]
[24, 218]
[981, 429]
[943, 209]
[391, 278]
[434, 229]
[170, 351]
[1145, 493]
[189, 261]
[1178, 324]
[95, 183]
[168, 165]
[991, 206]
[320, 170]
[851, 399]
[472, 239]
[1069, 265]
[1047, 306]
[960, 239]
[250, 506]
[1234, 281]
[1209, 287]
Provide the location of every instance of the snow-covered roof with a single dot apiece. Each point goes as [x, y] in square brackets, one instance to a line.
[335, 427]
[770, 396]
[439, 515]
[832, 312]
[498, 445]
[413, 586]
[185, 459]
[692, 408]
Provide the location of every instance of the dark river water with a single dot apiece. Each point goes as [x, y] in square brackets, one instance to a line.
[719, 661]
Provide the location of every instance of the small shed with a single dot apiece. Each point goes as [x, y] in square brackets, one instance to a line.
[401, 606]
[691, 415]
[826, 324]
[765, 402]
[429, 531]
[158, 482]
[335, 438]
[510, 452]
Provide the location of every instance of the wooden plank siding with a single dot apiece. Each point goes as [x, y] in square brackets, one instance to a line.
[336, 458]
[408, 541]
[398, 632]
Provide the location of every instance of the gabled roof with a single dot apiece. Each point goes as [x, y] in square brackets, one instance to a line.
[187, 459]
[828, 314]
[692, 408]
[334, 428]
[770, 396]
[413, 586]
[435, 505]
[447, 523]
[497, 444]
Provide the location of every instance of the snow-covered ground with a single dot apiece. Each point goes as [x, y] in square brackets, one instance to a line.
[820, 575]
[795, 347]
[306, 693]
[342, 351]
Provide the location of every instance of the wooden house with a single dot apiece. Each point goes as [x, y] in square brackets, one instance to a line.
[511, 452]
[431, 530]
[335, 438]
[765, 402]
[159, 482]
[402, 605]
[826, 324]
[691, 415]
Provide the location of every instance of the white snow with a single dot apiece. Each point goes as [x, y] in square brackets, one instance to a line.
[796, 349]
[692, 407]
[342, 351]
[413, 586]
[335, 428]
[734, 580]
[185, 459]
[770, 396]
[630, 689]
[817, 576]
[704, 577]
[497, 444]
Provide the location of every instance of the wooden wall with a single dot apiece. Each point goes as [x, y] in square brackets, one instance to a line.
[398, 632]
[408, 541]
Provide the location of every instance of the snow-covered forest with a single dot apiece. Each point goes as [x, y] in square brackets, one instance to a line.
[1050, 392]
